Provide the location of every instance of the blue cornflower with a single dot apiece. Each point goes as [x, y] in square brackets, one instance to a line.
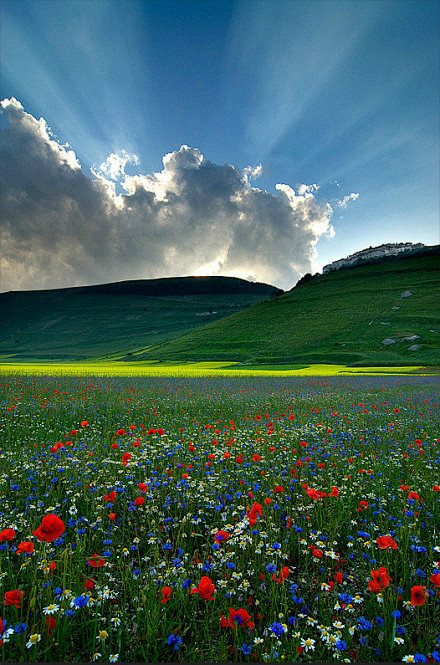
[174, 640]
[341, 645]
[401, 630]
[396, 614]
[276, 546]
[21, 628]
[277, 629]
[379, 621]
[230, 564]
[420, 573]
[436, 656]
[246, 650]
[271, 568]
[364, 624]
[419, 658]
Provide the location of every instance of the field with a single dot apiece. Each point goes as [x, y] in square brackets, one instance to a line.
[219, 519]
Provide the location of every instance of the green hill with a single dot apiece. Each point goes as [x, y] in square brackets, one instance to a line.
[116, 319]
[354, 316]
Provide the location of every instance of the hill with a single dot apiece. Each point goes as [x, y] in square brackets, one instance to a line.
[385, 313]
[110, 319]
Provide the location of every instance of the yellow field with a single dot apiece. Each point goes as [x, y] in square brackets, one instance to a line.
[197, 369]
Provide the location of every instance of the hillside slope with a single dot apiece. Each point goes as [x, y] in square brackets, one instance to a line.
[108, 319]
[361, 315]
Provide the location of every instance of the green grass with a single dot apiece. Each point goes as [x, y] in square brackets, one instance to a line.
[116, 320]
[338, 318]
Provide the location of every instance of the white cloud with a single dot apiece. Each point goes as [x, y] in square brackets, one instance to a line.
[346, 199]
[63, 228]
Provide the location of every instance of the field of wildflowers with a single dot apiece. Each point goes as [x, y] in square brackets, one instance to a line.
[219, 519]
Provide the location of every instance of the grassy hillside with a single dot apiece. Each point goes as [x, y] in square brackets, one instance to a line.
[341, 317]
[116, 319]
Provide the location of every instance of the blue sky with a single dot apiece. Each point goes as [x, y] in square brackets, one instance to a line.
[338, 94]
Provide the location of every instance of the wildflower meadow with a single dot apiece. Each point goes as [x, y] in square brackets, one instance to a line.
[219, 519]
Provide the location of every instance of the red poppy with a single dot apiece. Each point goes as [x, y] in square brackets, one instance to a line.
[317, 553]
[385, 542]
[236, 618]
[435, 579]
[96, 561]
[284, 574]
[166, 594]
[125, 458]
[413, 495]
[89, 584]
[2, 629]
[51, 528]
[51, 624]
[143, 487]
[139, 501]
[114, 446]
[380, 580]
[112, 516]
[84, 423]
[335, 491]
[110, 497]
[256, 458]
[7, 534]
[220, 536]
[418, 595]
[205, 588]
[26, 547]
[363, 504]
[14, 597]
[278, 488]
[339, 577]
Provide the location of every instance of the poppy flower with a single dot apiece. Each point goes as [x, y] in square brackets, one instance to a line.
[14, 597]
[435, 579]
[236, 618]
[110, 497]
[385, 542]
[125, 458]
[51, 528]
[220, 536]
[335, 491]
[143, 487]
[112, 516]
[418, 595]
[7, 534]
[51, 624]
[256, 458]
[413, 495]
[139, 501]
[26, 547]
[89, 584]
[84, 423]
[96, 561]
[166, 594]
[205, 588]
[363, 504]
[380, 581]
[2, 629]
[278, 488]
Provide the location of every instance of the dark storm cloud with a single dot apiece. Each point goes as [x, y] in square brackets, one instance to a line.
[62, 228]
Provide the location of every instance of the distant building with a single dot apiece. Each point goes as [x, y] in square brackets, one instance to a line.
[372, 253]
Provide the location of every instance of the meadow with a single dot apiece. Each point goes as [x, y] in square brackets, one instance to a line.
[219, 519]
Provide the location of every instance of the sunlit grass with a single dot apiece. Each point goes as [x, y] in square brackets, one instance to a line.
[200, 369]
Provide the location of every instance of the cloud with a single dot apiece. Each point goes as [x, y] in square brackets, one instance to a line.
[61, 227]
[346, 199]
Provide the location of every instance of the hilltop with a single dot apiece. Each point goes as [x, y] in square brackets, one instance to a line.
[110, 320]
[384, 313]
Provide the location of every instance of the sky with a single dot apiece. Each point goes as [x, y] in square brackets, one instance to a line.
[258, 139]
